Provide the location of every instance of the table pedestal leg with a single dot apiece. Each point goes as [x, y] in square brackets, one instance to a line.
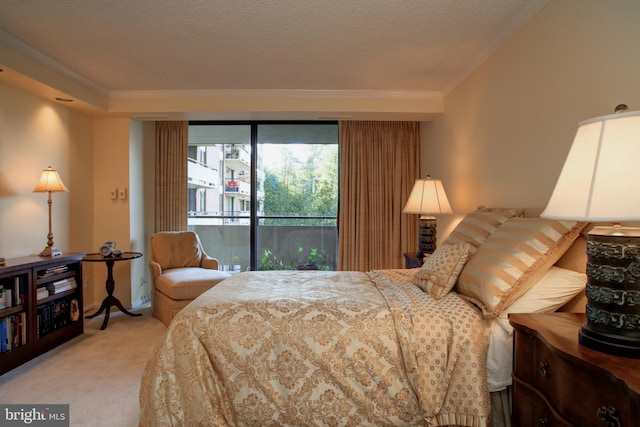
[110, 300]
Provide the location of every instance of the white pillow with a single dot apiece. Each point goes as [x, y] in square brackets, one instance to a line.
[557, 287]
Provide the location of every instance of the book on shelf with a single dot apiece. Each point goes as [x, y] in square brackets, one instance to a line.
[17, 293]
[42, 293]
[17, 332]
[23, 327]
[52, 271]
[8, 298]
[9, 326]
[52, 316]
[13, 332]
[3, 336]
[11, 293]
[61, 285]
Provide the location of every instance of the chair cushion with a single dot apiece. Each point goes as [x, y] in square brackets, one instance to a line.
[189, 282]
[176, 249]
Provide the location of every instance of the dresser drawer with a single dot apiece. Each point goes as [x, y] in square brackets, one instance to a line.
[532, 409]
[584, 395]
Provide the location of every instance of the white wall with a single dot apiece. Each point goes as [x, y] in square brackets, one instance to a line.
[111, 218]
[35, 134]
[92, 157]
[507, 128]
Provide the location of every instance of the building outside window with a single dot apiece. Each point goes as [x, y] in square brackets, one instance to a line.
[264, 195]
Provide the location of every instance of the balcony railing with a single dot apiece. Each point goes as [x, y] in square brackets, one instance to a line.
[229, 240]
[237, 186]
[237, 158]
[201, 175]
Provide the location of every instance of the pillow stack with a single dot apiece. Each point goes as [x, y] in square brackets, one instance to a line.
[440, 271]
[513, 259]
[494, 256]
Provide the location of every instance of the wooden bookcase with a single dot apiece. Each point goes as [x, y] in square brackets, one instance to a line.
[36, 322]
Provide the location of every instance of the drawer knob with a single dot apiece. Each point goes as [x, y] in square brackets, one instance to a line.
[543, 368]
[544, 422]
[608, 415]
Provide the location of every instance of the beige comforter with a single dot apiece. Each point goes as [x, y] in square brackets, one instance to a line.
[319, 348]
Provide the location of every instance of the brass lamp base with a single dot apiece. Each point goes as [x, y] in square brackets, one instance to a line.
[50, 251]
[613, 292]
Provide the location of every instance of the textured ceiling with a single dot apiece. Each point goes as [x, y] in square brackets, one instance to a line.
[340, 45]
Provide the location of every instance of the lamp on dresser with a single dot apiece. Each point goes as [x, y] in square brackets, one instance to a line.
[599, 183]
[50, 182]
[427, 198]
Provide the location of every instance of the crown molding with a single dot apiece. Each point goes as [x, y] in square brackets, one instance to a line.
[37, 56]
[273, 93]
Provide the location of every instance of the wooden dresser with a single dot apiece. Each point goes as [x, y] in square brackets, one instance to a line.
[559, 382]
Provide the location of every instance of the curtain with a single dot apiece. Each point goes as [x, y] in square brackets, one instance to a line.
[171, 176]
[379, 162]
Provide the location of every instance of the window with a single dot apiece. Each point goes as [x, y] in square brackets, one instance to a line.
[265, 195]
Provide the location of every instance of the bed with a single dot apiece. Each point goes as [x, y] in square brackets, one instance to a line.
[428, 346]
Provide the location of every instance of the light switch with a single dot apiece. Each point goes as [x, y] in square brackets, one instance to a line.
[113, 193]
[122, 194]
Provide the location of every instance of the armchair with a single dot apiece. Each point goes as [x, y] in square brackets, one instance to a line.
[181, 271]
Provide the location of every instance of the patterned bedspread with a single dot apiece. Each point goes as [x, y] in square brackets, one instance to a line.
[319, 348]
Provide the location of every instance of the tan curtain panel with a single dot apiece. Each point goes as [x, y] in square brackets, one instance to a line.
[379, 162]
[171, 176]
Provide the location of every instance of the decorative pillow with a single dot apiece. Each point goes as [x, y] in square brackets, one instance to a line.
[477, 226]
[439, 273]
[556, 288]
[508, 212]
[513, 259]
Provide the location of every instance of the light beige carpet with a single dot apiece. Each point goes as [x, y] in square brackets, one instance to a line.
[97, 374]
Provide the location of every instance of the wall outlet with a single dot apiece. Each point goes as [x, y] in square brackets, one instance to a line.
[122, 194]
[113, 193]
[86, 283]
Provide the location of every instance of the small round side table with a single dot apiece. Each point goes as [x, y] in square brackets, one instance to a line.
[110, 300]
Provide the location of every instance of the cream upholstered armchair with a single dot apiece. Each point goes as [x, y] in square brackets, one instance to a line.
[181, 271]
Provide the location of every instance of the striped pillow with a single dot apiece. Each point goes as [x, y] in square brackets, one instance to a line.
[513, 259]
[477, 226]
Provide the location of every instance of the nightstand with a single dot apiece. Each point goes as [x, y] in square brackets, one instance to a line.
[558, 382]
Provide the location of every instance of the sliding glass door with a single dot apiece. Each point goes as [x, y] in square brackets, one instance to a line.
[265, 195]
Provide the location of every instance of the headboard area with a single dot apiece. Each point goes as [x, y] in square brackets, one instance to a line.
[575, 258]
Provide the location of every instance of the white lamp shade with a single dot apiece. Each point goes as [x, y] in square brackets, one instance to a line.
[50, 181]
[427, 197]
[600, 180]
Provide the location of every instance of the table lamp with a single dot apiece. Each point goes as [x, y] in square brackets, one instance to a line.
[50, 182]
[427, 198]
[599, 183]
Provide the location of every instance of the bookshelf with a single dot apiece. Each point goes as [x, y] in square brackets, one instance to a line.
[40, 306]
